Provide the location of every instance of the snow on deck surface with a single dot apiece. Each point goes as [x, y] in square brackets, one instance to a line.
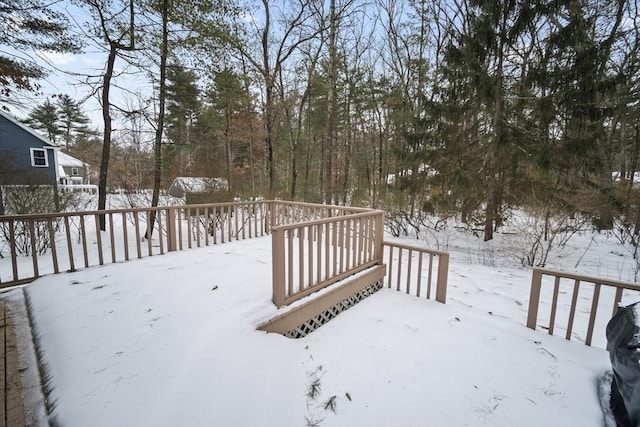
[170, 340]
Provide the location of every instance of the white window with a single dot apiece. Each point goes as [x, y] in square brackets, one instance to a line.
[74, 171]
[39, 158]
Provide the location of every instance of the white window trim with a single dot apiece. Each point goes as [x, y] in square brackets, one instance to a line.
[33, 159]
[75, 172]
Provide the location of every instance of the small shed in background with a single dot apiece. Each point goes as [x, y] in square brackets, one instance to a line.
[183, 185]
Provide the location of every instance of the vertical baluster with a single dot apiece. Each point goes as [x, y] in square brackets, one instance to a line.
[235, 218]
[198, 220]
[230, 225]
[334, 234]
[112, 238]
[554, 305]
[290, 234]
[222, 222]
[409, 271]
[207, 225]
[420, 256]
[242, 210]
[149, 235]
[572, 310]
[390, 265]
[136, 222]
[594, 311]
[429, 276]
[189, 213]
[301, 258]
[52, 238]
[99, 239]
[83, 236]
[14, 256]
[347, 244]
[319, 253]
[180, 229]
[399, 268]
[34, 248]
[160, 237]
[72, 266]
[125, 236]
[327, 242]
[311, 231]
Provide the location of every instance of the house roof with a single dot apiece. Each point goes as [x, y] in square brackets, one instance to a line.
[195, 184]
[27, 129]
[68, 161]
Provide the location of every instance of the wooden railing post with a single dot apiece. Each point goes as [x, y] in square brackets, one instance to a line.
[171, 230]
[534, 298]
[273, 220]
[443, 275]
[277, 266]
[378, 251]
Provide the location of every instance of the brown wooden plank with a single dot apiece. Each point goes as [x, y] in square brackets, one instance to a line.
[136, 221]
[125, 236]
[83, 235]
[554, 305]
[409, 271]
[3, 373]
[112, 238]
[54, 253]
[14, 406]
[572, 312]
[67, 230]
[594, 311]
[420, 255]
[429, 276]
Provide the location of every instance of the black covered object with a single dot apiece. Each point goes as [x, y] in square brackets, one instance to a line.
[623, 345]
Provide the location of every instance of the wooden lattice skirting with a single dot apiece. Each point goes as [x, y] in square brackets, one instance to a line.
[322, 318]
[317, 310]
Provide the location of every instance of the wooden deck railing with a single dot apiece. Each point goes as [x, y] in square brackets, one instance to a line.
[64, 241]
[313, 245]
[401, 275]
[308, 256]
[594, 287]
[286, 212]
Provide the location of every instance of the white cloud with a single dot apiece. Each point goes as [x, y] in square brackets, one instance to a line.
[55, 58]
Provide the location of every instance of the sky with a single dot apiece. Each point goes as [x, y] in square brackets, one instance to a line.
[76, 74]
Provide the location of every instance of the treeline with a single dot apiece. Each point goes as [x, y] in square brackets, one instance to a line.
[461, 108]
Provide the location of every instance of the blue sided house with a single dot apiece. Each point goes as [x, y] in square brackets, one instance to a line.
[33, 171]
[26, 158]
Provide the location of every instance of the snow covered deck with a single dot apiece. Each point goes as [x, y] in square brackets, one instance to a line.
[172, 340]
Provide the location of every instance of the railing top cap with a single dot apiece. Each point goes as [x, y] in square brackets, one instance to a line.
[356, 210]
[319, 221]
[584, 278]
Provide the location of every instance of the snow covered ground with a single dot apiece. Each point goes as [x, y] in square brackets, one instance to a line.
[171, 340]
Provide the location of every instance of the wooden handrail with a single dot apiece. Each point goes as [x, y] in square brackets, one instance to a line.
[333, 242]
[597, 282]
[173, 225]
[326, 220]
[326, 250]
[395, 270]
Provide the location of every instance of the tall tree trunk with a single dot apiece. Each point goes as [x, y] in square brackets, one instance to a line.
[269, 107]
[268, 139]
[106, 137]
[331, 100]
[157, 143]
[227, 141]
[497, 145]
[491, 203]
